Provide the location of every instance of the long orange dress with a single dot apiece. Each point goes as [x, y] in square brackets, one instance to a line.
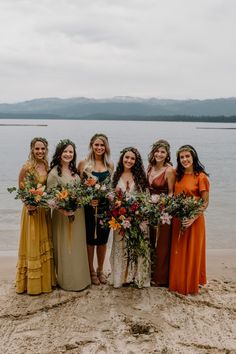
[188, 248]
[161, 248]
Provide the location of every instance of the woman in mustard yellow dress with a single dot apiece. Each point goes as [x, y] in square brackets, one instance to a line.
[35, 269]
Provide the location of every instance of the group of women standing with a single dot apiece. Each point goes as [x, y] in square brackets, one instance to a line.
[47, 238]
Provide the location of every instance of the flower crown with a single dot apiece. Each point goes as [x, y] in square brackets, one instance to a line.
[38, 138]
[130, 148]
[185, 148]
[161, 143]
[65, 142]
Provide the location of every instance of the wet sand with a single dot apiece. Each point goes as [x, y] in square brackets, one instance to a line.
[221, 264]
[102, 319]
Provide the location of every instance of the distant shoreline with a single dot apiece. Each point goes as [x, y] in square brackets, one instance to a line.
[23, 125]
[108, 117]
[214, 128]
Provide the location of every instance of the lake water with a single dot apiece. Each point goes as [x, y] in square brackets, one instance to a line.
[216, 149]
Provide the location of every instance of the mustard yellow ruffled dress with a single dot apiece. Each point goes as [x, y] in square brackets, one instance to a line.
[35, 268]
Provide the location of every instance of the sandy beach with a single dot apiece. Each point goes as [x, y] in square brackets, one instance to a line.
[102, 320]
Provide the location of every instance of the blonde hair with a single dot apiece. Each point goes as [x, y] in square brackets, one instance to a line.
[32, 162]
[90, 159]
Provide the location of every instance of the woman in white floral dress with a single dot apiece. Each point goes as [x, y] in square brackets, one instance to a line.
[129, 177]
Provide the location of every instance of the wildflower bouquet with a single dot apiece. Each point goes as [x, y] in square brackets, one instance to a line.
[95, 189]
[187, 207]
[31, 193]
[68, 197]
[160, 208]
[126, 214]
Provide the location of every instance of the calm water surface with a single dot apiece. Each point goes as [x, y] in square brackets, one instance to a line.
[216, 149]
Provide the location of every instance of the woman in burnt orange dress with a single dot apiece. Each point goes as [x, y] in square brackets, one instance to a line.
[188, 248]
[161, 179]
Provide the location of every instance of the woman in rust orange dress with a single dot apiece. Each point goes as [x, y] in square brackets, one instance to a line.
[161, 179]
[188, 248]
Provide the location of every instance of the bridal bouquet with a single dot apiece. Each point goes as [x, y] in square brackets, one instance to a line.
[69, 197]
[127, 215]
[31, 192]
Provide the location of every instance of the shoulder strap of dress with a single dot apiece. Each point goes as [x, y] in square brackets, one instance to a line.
[149, 169]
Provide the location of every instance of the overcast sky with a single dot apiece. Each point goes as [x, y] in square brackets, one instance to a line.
[104, 48]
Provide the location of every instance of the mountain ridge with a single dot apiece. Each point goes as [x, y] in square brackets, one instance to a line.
[82, 107]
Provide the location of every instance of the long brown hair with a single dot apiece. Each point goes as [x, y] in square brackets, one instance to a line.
[159, 143]
[197, 165]
[137, 170]
[56, 160]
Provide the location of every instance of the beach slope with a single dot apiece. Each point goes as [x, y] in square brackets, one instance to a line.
[127, 320]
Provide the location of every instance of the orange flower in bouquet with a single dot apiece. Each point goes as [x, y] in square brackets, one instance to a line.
[31, 193]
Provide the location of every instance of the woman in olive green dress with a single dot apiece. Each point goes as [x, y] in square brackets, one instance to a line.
[69, 239]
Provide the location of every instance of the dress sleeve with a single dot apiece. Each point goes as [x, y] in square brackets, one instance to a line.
[204, 184]
[52, 180]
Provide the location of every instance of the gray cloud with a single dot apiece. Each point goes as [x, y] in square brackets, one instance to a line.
[103, 48]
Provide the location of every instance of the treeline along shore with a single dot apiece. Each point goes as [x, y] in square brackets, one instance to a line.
[174, 118]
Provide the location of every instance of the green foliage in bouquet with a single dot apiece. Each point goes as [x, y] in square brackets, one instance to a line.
[159, 208]
[187, 207]
[95, 189]
[69, 197]
[127, 215]
[31, 192]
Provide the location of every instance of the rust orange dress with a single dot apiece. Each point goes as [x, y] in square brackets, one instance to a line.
[161, 248]
[188, 248]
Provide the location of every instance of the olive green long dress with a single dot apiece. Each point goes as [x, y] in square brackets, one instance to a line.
[69, 243]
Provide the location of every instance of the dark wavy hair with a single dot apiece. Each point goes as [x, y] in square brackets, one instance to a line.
[137, 170]
[56, 160]
[197, 165]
